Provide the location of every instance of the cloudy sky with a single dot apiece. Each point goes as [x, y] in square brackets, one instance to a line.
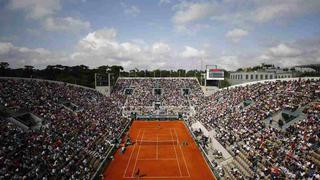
[165, 34]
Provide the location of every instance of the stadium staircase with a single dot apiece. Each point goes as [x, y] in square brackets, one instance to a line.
[242, 163]
[277, 115]
[314, 156]
[297, 119]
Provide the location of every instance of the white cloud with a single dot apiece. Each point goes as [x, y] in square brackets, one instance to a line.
[160, 48]
[104, 48]
[67, 24]
[106, 33]
[190, 12]
[236, 35]
[21, 56]
[36, 9]
[283, 50]
[191, 29]
[190, 52]
[45, 12]
[296, 53]
[130, 10]
[300, 52]
[267, 11]
[240, 12]
[99, 39]
[161, 2]
[5, 48]
[229, 62]
[139, 42]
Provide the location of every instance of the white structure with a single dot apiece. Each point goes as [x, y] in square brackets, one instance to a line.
[271, 80]
[244, 77]
[105, 90]
[304, 69]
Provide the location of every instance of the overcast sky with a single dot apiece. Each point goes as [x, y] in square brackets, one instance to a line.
[165, 34]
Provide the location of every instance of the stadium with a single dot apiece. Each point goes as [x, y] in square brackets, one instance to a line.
[125, 108]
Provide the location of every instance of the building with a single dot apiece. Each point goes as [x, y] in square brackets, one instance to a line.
[263, 74]
[303, 69]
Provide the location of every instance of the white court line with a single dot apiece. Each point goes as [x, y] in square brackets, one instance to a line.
[182, 153]
[175, 151]
[161, 159]
[131, 155]
[157, 146]
[159, 177]
[134, 167]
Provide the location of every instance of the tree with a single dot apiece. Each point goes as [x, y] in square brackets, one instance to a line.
[181, 72]
[116, 69]
[102, 69]
[28, 70]
[4, 65]
[3, 68]
[239, 70]
[28, 67]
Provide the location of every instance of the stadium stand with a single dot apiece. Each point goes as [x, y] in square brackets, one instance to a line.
[70, 144]
[167, 92]
[171, 90]
[258, 149]
[238, 116]
[79, 125]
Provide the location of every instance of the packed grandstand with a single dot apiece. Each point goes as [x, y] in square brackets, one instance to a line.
[79, 126]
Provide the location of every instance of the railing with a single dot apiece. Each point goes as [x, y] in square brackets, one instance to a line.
[102, 166]
[125, 129]
[204, 154]
[271, 80]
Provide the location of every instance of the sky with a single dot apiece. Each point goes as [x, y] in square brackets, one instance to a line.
[159, 34]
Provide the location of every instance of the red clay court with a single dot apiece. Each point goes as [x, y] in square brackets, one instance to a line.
[158, 152]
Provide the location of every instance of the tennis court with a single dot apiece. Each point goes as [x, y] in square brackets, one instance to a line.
[160, 150]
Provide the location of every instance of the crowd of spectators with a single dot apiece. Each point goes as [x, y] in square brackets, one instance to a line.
[63, 146]
[236, 125]
[170, 91]
[226, 113]
[60, 148]
[284, 154]
[241, 120]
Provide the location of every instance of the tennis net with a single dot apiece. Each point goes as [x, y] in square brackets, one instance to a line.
[165, 142]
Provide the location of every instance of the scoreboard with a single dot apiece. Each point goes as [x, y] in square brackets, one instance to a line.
[215, 74]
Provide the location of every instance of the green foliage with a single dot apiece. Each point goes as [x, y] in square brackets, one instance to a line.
[3, 68]
[4, 65]
[224, 84]
[83, 75]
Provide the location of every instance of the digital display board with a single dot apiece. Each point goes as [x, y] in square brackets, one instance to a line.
[215, 74]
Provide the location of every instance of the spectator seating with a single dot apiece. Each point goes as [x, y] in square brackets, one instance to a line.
[258, 149]
[70, 143]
